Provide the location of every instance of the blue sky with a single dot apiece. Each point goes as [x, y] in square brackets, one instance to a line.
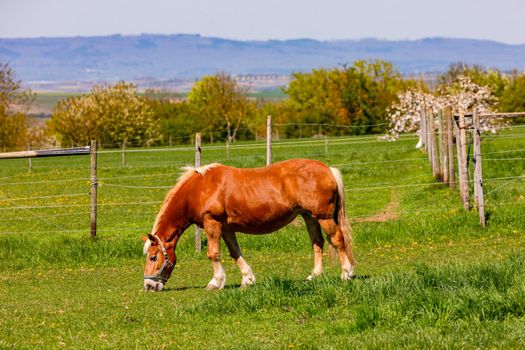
[501, 20]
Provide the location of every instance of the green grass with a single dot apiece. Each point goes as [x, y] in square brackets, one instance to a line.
[429, 278]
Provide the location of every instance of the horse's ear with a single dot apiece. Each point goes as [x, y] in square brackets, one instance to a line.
[152, 239]
[144, 238]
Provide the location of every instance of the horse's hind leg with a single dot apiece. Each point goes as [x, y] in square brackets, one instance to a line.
[248, 277]
[317, 240]
[338, 241]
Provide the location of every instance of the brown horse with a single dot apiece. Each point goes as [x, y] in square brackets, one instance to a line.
[225, 200]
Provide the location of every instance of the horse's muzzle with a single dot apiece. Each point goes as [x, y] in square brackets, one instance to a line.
[152, 286]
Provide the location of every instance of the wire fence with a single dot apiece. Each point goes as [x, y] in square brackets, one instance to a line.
[140, 184]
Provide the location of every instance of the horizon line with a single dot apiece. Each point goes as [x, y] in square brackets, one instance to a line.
[258, 40]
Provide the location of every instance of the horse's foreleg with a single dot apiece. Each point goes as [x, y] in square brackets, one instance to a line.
[213, 232]
[338, 241]
[317, 240]
[248, 277]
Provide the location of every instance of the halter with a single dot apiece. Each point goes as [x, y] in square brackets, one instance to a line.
[158, 276]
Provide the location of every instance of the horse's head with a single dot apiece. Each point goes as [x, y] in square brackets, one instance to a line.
[160, 261]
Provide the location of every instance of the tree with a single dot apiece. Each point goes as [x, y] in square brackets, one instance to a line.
[14, 104]
[355, 95]
[513, 98]
[460, 94]
[221, 103]
[177, 119]
[479, 75]
[110, 114]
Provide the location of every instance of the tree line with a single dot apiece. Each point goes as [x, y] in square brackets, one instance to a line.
[317, 103]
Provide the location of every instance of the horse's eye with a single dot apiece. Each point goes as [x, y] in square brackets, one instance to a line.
[153, 258]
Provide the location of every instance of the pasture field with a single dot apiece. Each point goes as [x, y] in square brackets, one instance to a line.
[428, 276]
[45, 101]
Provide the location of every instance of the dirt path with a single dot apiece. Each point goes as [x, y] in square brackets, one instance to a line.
[391, 212]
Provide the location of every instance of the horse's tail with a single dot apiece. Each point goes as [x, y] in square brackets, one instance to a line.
[340, 217]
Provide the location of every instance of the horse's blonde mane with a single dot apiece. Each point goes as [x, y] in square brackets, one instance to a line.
[188, 172]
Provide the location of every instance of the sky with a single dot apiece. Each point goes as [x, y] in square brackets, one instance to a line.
[498, 20]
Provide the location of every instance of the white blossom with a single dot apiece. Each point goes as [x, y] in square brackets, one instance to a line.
[461, 97]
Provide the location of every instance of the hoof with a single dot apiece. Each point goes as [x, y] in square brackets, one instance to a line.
[215, 284]
[247, 281]
[310, 277]
[347, 276]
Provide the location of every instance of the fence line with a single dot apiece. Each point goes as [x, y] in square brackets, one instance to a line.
[43, 197]
[132, 186]
[330, 125]
[380, 162]
[501, 186]
[498, 159]
[172, 165]
[513, 136]
[44, 181]
[134, 229]
[506, 151]
[80, 205]
[48, 216]
[88, 179]
[141, 176]
[346, 140]
[429, 184]
[338, 142]
[190, 137]
[347, 190]
[442, 159]
[303, 143]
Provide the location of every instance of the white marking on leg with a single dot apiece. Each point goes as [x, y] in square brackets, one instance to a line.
[318, 263]
[219, 276]
[248, 278]
[347, 269]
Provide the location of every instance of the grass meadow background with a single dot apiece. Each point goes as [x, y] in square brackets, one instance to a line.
[428, 274]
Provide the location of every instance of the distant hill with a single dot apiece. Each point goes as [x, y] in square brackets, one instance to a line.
[164, 57]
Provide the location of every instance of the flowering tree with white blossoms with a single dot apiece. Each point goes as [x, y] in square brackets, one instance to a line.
[462, 96]
[405, 115]
[465, 95]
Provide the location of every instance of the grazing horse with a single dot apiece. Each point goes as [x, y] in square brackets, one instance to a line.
[225, 200]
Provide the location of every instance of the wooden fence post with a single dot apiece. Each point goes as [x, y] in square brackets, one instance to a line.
[427, 136]
[269, 140]
[462, 161]
[428, 141]
[423, 128]
[444, 147]
[434, 158]
[94, 185]
[29, 160]
[441, 148]
[198, 242]
[479, 201]
[124, 153]
[450, 148]
[228, 140]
